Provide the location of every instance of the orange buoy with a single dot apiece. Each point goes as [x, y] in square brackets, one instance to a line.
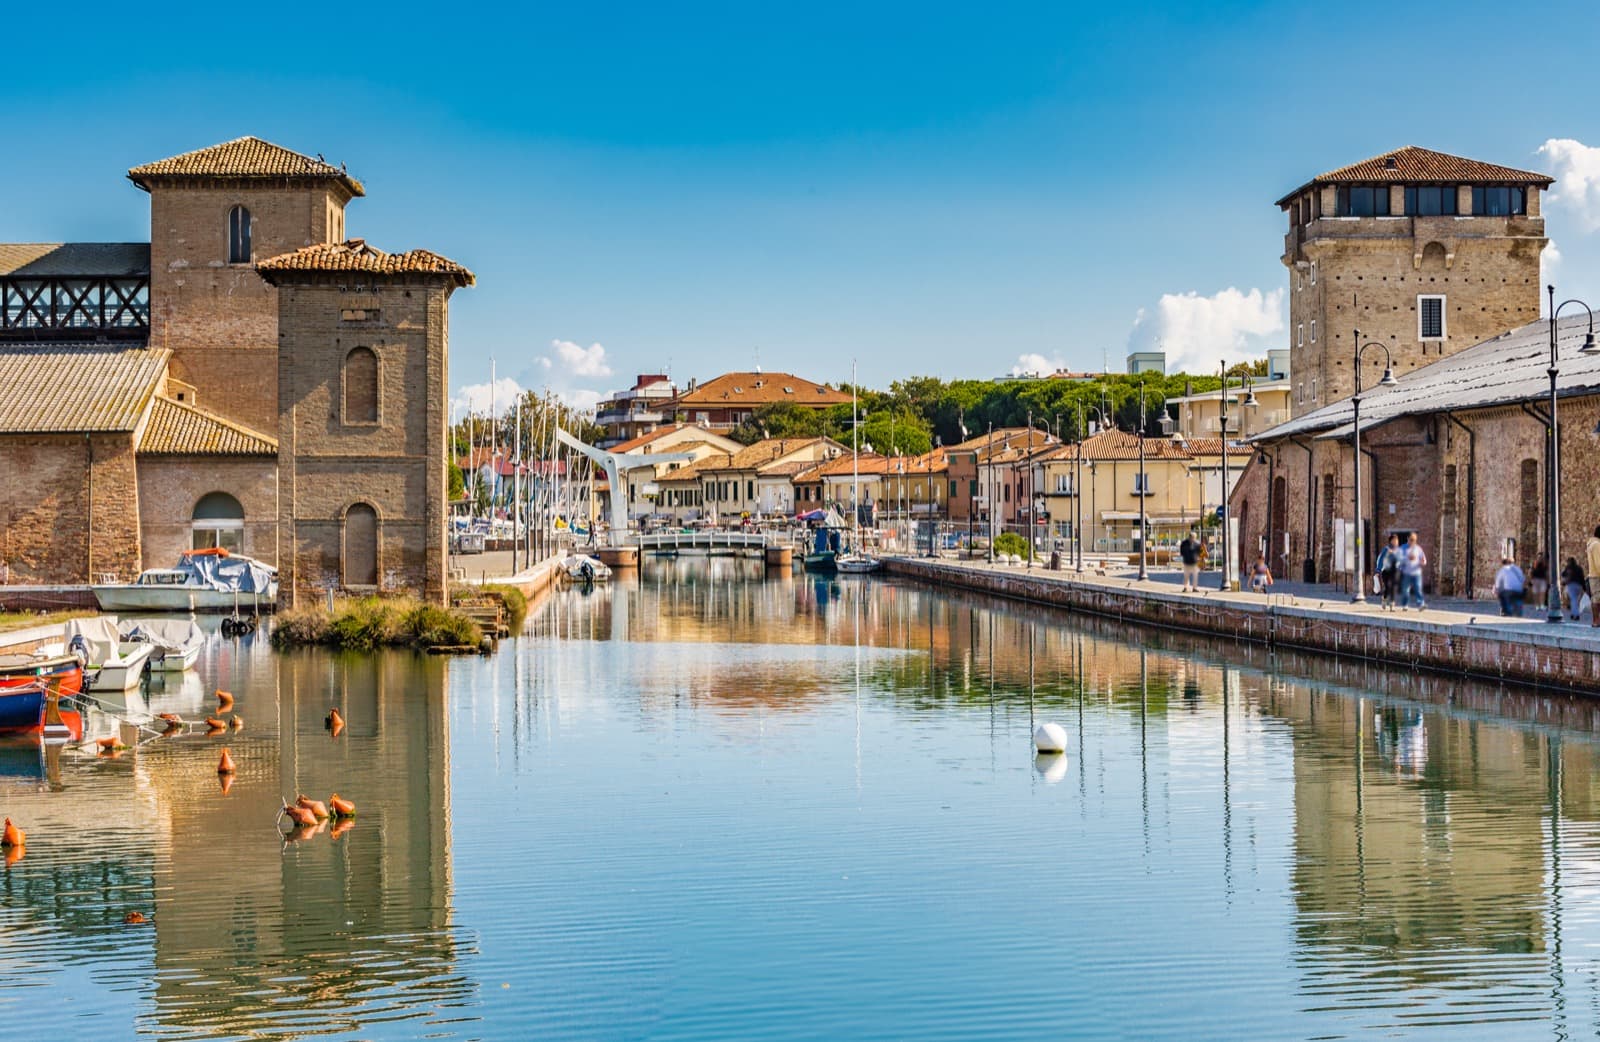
[107, 744]
[14, 854]
[225, 765]
[224, 700]
[225, 781]
[334, 722]
[171, 718]
[340, 827]
[135, 919]
[215, 724]
[300, 815]
[236, 723]
[13, 836]
[342, 808]
[316, 807]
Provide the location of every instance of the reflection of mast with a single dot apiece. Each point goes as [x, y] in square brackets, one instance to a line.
[1144, 764]
[1361, 806]
[1227, 798]
[1557, 969]
[1083, 780]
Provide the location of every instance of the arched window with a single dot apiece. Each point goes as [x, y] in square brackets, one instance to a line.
[238, 235]
[360, 546]
[218, 520]
[361, 386]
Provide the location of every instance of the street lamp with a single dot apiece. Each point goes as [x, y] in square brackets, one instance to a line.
[1355, 404]
[1222, 508]
[1144, 488]
[1552, 535]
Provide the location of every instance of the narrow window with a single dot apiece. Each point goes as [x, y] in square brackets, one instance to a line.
[1313, 388]
[1300, 335]
[238, 235]
[1141, 484]
[360, 546]
[1313, 331]
[1313, 273]
[361, 386]
[1430, 318]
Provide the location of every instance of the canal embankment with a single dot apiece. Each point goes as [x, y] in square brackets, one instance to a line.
[1483, 645]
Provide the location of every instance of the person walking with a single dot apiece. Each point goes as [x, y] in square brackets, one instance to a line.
[1592, 551]
[1189, 553]
[1539, 580]
[1573, 582]
[1261, 576]
[1388, 571]
[1510, 585]
[1412, 561]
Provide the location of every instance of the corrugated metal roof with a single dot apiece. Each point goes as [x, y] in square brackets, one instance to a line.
[74, 258]
[1511, 368]
[56, 388]
[179, 429]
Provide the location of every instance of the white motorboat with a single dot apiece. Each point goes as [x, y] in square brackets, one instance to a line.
[203, 580]
[109, 662]
[856, 564]
[177, 641]
[580, 568]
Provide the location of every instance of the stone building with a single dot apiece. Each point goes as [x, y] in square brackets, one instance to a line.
[144, 386]
[1426, 254]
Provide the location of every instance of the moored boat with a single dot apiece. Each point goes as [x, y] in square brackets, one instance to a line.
[177, 641]
[857, 564]
[110, 663]
[202, 580]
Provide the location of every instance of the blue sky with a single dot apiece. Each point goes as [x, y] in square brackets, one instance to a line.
[926, 189]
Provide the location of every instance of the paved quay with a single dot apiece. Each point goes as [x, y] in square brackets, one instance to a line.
[1458, 635]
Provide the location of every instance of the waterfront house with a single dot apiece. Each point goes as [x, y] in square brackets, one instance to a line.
[643, 485]
[637, 411]
[1112, 489]
[726, 401]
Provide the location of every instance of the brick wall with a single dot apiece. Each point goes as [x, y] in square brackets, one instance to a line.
[53, 491]
[170, 486]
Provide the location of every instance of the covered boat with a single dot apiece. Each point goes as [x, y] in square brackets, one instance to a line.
[177, 641]
[580, 568]
[112, 663]
[203, 580]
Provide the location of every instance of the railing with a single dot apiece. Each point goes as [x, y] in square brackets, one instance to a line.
[60, 307]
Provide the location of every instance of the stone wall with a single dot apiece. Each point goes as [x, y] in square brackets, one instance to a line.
[71, 507]
[170, 486]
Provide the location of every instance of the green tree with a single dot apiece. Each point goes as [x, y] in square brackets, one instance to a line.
[779, 420]
[458, 483]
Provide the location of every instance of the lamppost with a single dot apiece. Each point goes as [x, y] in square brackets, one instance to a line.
[1222, 508]
[1355, 405]
[1144, 489]
[989, 490]
[1077, 491]
[1552, 535]
[1027, 461]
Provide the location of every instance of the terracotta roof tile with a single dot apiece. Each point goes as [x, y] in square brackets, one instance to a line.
[245, 157]
[752, 389]
[1415, 165]
[71, 389]
[179, 429]
[1121, 445]
[354, 255]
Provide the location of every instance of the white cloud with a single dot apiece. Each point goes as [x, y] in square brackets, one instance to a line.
[1199, 332]
[1549, 261]
[478, 398]
[1576, 168]
[575, 360]
[1036, 365]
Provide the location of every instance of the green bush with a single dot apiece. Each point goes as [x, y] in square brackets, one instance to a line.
[369, 623]
[432, 627]
[1011, 543]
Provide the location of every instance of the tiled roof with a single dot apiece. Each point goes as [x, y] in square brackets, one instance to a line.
[752, 389]
[702, 436]
[1206, 446]
[179, 429]
[1422, 166]
[1507, 370]
[356, 256]
[869, 463]
[245, 157]
[56, 388]
[74, 258]
[1121, 445]
[755, 457]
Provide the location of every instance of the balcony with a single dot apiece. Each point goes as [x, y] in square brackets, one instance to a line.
[613, 417]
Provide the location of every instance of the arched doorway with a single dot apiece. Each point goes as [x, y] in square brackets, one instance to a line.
[217, 521]
[360, 557]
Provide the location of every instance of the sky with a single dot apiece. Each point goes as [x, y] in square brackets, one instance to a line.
[919, 189]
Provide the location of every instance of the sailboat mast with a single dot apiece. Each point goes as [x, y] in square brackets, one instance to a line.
[855, 465]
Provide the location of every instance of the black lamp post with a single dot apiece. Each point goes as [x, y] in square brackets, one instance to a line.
[1144, 489]
[1552, 535]
[1355, 404]
[1222, 508]
[1077, 491]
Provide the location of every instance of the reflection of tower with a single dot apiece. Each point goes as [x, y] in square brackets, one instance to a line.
[299, 924]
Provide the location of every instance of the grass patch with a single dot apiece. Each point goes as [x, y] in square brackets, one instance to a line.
[368, 623]
[21, 620]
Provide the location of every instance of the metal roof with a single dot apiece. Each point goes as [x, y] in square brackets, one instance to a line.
[65, 389]
[41, 259]
[1506, 370]
[179, 429]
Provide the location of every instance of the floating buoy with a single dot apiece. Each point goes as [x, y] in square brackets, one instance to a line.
[236, 723]
[13, 836]
[135, 919]
[216, 724]
[171, 718]
[341, 826]
[225, 765]
[14, 854]
[342, 808]
[224, 700]
[225, 782]
[334, 722]
[299, 815]
[1050, 738]
[1051, 766]
[316, 807]
[107, 744]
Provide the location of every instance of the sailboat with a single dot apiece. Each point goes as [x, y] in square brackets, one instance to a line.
[857, 561]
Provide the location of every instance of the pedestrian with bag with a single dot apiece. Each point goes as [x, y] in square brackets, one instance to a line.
[1592, 550]
[1387, 571]
[1412, 561]
[1510, 585]
[1189, 551]
[1573, 581]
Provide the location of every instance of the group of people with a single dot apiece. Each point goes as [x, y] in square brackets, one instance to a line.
[1514, 587]
[1398, 573]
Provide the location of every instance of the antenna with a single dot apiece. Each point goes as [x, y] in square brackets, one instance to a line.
[758, 358]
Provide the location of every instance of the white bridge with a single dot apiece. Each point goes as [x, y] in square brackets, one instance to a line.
[707, 540]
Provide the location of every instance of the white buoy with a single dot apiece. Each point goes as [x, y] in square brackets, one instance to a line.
[1050, 738]
[1051, 766]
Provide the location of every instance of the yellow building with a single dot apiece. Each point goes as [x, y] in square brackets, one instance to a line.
[1109, 483]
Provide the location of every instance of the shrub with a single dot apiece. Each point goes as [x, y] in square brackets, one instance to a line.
[1012, 543]
[432, 627]
[299, 626]
[369, 623]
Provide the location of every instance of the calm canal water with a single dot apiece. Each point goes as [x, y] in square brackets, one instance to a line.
[709, 804]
